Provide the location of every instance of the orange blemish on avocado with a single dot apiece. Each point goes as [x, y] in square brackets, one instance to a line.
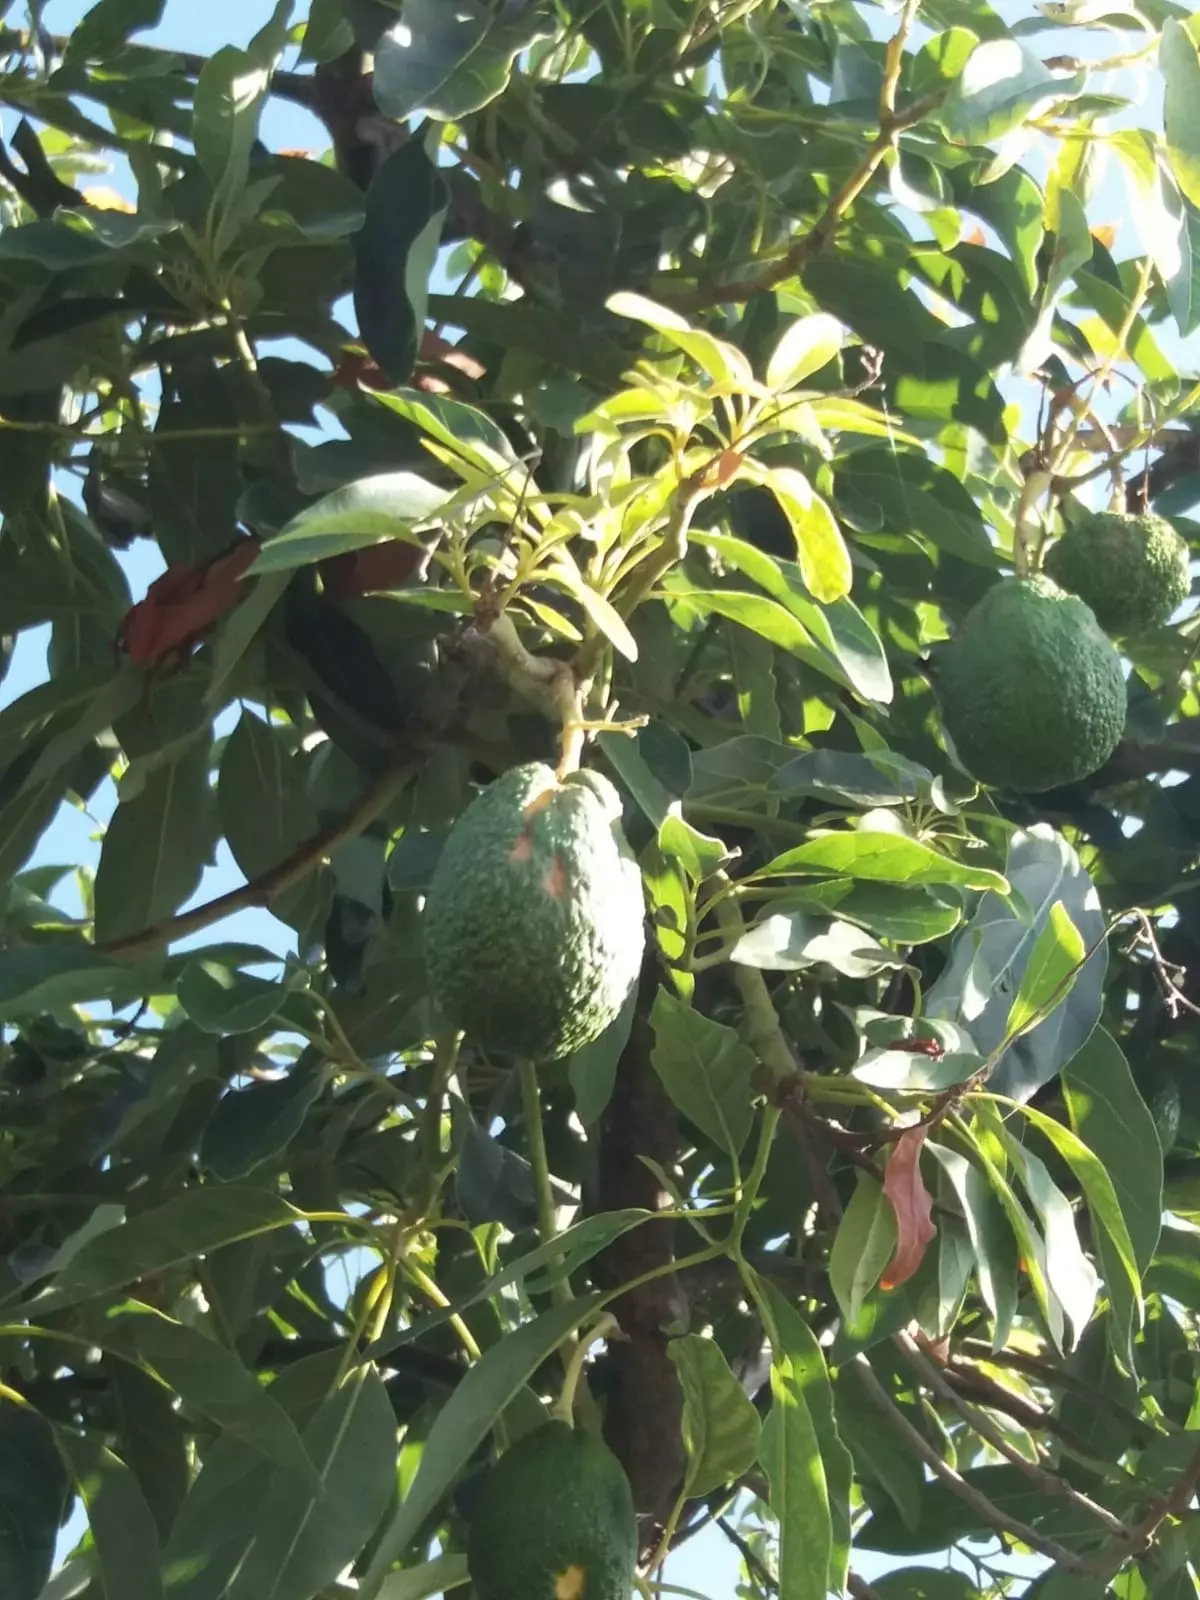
[523, 849]
[555, 881]
[571, 1583]
[539, 803]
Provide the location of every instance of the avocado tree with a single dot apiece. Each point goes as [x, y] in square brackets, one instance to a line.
[736, 454]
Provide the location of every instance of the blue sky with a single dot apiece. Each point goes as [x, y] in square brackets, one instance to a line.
[706, 1565]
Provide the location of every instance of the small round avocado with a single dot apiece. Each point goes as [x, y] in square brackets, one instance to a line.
[554, 1521]
[534, 924]
[1132, 571]
[1032, 692]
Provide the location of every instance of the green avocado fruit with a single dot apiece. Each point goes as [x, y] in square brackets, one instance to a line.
[1032, 691]
[554, 1521]
[1132, 571]
[534, 923]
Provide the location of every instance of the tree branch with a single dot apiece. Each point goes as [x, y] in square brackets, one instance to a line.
[1049, 1482]
[892, 124]
[270, 885]
[987, 1510]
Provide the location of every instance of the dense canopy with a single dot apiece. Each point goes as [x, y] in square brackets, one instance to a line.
[406, 393]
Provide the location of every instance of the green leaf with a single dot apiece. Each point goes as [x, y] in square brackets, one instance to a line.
[191, 1225]
[791, 1456]
[1109, 1115]
[123, 1531]
[792, 941]
[705, 1069]
[33, 1493]
[753, 611]
[221, 1000]
[907, 493]
[251, 1125]
[794, 1342]
[35, 978]
[599, 610]
[465, 1420]
[370, 511]
[820, 549]
[301, 1539]
[990, 1235]
[1180, 62]
[450, 61]
[720, 1425]
[989, 957]
[152, 1440]
[430, 1578]
[593, 1069]
[723, 363]
[1107, 1217]
[213, 1380]
[1069, 1274]
[1052, 967]
[804, 347]
[394, 252]
[879, 858]
[1001, 86]
[267, 813]
[863, 1245]
[104, 28]
[156, 846]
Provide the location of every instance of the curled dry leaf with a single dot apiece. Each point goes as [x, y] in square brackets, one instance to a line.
[183, 604]
[913, 1206]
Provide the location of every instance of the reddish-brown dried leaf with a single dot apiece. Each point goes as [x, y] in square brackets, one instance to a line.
[913, 1206]
[180, 607]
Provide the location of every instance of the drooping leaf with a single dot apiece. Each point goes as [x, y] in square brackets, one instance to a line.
[912, 1206]
[123, 1531]
[791, 1457]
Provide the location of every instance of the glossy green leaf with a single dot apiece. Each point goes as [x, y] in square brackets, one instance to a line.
[793, 1341]
[1180, 60]
[448, 62]
[820, 549]
[805, 346]
[723, 363]
[863, 1245]
[791, 1457]
[1054, 962]
[387, 506]
[705, 1069]
[792, 941]
[879, 858]
[720, 1425]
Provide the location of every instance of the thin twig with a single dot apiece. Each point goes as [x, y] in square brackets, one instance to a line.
[268, 886]
[987, 1510]
[754, 1563]
[1049, 1482]
[1167, 972]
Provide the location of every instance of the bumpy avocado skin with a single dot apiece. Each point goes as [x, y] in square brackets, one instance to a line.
[1031, 690]
[1132, 571]
[555, 1521]
[534, 920]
